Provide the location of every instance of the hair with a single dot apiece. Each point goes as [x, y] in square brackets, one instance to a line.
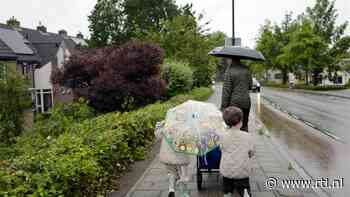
[232, 116]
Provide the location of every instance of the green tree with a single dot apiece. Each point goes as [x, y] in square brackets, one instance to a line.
[116, 21]
[271, 42]
[324, 16]
[306, 49]
[106, 23]
[183, 39]
[13, 100]
[13, 22]
[268, 45]
[143, 15]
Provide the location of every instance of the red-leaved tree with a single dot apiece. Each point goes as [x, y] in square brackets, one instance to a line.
[115, 78]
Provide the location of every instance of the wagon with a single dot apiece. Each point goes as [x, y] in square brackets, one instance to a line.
[209, 163]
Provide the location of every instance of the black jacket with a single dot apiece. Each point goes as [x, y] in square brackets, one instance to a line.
[237, 83]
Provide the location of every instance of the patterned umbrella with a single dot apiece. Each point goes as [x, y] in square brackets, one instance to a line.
[193, 127]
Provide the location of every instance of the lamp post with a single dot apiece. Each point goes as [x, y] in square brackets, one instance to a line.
[233, 22]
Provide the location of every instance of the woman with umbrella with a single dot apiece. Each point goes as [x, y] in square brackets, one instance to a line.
[237, 79]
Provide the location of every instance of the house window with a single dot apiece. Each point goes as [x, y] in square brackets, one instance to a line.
[2, 71]
[44, 100]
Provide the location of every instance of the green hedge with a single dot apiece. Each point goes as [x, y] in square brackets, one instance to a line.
[179, 77]
[88, 157]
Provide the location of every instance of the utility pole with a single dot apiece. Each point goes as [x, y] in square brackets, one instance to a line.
[233, 22]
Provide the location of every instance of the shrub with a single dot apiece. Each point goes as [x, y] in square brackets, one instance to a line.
[115, 78]
[87, 159]
[178, 76]
[62, 117]
[14, 99]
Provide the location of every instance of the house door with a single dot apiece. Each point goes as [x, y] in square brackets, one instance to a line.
[44, 100]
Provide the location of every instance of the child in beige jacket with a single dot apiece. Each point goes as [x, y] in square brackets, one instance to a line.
[237, 148]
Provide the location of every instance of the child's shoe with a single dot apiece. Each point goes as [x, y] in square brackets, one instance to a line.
[171, 194]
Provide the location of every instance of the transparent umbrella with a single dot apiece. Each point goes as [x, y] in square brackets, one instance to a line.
[193, 127]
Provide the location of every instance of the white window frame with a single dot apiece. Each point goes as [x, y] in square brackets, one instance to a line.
[40, 107]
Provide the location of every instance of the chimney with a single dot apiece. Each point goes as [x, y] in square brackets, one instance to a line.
[80, 35]
[41, 28]
[63, 33]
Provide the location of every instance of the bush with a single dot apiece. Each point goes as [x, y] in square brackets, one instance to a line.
[62, 117]
[88, 157]
[178, 76]
[14, 99]
[115, 78]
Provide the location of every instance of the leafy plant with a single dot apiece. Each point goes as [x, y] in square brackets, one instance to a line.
[87, 160]
[14, 98]
[62, 117]
[178, 77]
[116, 22]
[115, 78]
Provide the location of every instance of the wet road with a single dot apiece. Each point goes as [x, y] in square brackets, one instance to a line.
[318, 154]
[326, 112]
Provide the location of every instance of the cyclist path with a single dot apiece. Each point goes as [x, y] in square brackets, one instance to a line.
[269, 164]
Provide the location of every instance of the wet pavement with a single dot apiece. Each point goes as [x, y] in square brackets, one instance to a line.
[340, 93]
[327, 112]
[318, 154]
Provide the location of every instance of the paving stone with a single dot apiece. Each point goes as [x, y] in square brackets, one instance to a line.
[262, 194]
[253, 186]
[289, 194]
[310, 194]
[146, 194]
[153, 185]
[156, 171]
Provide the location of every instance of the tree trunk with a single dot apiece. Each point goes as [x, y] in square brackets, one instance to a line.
[285, 76]
[316, 76]
[307, 77]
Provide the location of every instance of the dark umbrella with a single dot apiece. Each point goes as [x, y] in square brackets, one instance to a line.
[240, 52]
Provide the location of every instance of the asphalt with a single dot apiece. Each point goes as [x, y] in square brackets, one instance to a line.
[320, 155]
[331, 113]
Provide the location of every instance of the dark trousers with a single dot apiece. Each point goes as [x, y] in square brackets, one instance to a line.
[245, 119]
[229, 185]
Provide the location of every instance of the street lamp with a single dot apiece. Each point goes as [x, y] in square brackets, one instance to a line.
[233, 22]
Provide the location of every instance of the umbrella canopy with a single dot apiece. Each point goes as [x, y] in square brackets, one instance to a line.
[193, 127]
[240, 52]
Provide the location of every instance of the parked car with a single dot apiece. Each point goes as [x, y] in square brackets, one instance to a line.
[256, 85]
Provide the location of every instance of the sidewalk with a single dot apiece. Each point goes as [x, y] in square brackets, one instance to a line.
[269, 162]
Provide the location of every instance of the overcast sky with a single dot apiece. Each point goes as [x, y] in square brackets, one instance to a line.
[250, 14]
